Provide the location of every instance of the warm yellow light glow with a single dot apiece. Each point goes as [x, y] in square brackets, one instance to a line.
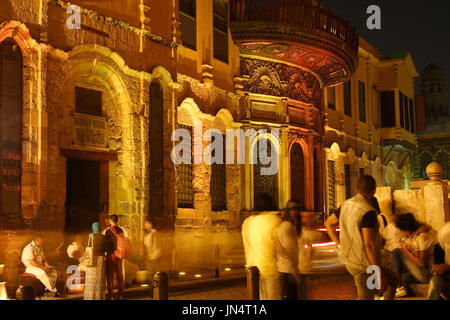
[182, 273]
[3, 293]
[198, 275]
[227, 269]
[144, 285]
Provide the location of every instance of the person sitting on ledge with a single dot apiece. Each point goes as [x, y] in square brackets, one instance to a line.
[412, 260]
[36, 264]
[440, 284]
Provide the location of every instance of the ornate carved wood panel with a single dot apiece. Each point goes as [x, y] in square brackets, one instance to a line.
[297, 175]
[264, 184]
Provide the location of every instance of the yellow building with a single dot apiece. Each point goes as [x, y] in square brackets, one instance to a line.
[370, 124]
[88, 112]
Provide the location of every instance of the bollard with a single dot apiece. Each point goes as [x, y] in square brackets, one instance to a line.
[161, 289]
[217, 262]
[253, 283]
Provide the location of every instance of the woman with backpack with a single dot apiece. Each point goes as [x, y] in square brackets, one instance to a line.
[114, 255]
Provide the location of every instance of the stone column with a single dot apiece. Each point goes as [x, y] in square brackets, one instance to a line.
[436, 198]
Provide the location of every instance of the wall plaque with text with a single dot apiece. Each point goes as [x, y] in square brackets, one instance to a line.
[89, 131]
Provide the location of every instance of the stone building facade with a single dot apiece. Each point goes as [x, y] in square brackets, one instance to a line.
[433, 131]
[370, 125]
[91, 111]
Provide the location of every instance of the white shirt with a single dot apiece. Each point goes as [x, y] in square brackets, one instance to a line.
[444, 241]
[259, 234]
[287, 248]
[151, 243]
[32, 252]
[424, 241]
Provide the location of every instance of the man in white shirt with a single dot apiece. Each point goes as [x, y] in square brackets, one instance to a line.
[259, 234]
[36, 264]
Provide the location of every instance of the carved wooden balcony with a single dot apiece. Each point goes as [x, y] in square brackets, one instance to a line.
[302, 34]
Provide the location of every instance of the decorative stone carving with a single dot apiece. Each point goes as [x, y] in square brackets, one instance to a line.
[277, 79]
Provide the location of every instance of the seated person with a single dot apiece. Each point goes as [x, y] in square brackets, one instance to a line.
[36, 264]
[412, 260]
[441, 267]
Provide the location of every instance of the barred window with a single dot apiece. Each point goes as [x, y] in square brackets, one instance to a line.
[10, 128]
[331, 187]
[184, 179]
[218, 182]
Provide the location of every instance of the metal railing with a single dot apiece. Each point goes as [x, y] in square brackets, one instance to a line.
[294, 12]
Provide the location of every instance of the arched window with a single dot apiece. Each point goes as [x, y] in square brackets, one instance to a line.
[156, 150]
[264, 184]
[297, 175]
[10, 128]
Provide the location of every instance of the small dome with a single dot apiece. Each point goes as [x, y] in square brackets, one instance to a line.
[433, 73]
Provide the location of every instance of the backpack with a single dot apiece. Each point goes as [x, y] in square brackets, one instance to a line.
[123, 245]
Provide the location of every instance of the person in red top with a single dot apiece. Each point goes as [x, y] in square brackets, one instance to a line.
[113, 264]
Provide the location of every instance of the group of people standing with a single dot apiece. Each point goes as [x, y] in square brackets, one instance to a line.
[279, 246]
[404, 251]
[101, 260]
[398, 252]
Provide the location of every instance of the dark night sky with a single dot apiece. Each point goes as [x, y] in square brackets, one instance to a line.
[419, 27]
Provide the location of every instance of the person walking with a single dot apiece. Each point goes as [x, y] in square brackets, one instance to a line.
[113, 264]
[259, 234]
[360, 246]
[94, 288]
[287, 252]
[152, 248]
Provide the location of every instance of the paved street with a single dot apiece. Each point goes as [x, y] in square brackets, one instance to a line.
[326, 287]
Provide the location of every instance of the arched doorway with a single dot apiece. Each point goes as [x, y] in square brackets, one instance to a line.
[264, 184]
[297, 175]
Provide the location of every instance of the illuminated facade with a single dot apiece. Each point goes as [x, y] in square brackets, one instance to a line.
[370, 124]
[94, 110]
[433, 129]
